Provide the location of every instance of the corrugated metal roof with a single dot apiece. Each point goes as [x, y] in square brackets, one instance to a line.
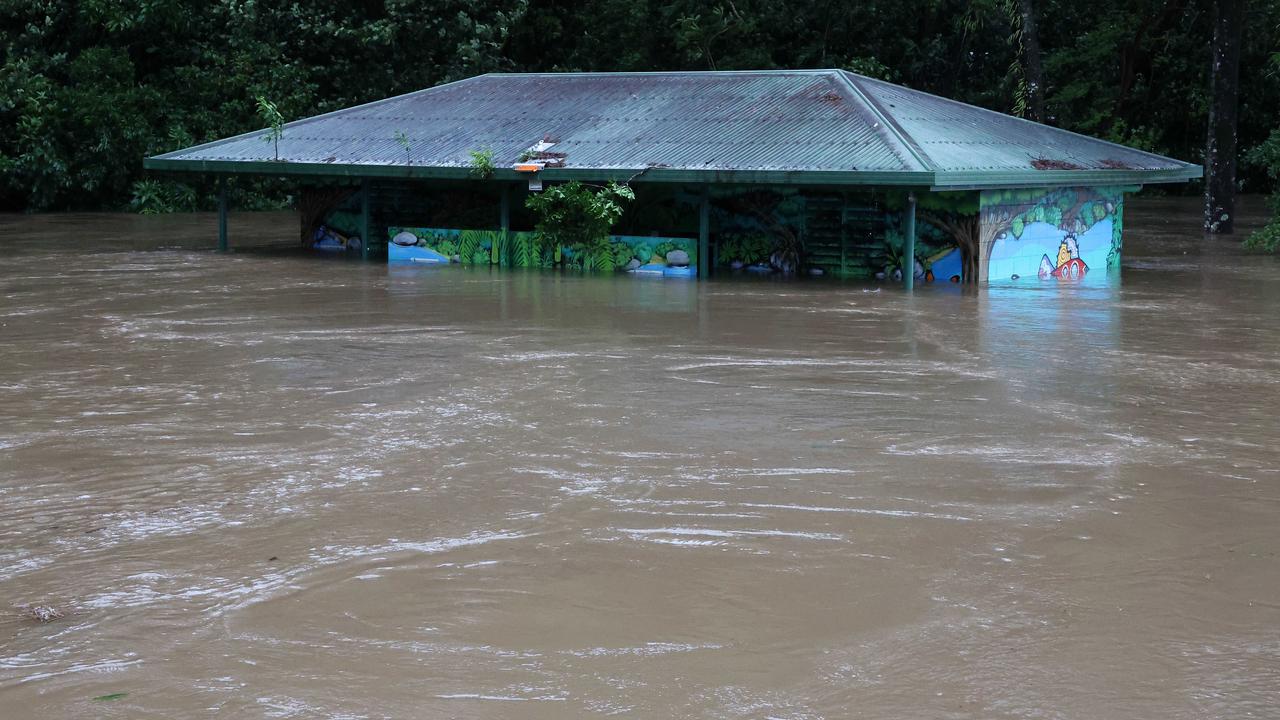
[811, 126]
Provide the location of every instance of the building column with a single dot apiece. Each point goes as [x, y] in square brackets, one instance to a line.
[504, 211]
[844, 234]
[909, 245]
[223, 243]
[704, 235]
[364, 219]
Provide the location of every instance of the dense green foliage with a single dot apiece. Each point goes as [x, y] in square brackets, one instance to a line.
[579, 217]
[1267, 155]
[88, 88]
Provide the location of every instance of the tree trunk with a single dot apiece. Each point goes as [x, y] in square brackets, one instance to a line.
[1033, 67]
[964, 231]
[1224, 95]
[314, 203]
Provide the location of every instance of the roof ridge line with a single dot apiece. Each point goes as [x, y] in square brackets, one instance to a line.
[917, 153]
[612, 73]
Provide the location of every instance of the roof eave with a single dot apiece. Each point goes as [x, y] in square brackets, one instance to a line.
[651, 174]
[969, 180]
[987, 179]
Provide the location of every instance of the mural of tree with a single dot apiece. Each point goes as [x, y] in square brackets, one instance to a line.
[315, 202]
[974, 222]
[1069, 209]
[956, 214]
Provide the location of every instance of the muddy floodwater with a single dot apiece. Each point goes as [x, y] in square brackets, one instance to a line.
[265, 484]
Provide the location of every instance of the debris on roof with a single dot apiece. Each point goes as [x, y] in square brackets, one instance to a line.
[1051, 164]
[539, 156]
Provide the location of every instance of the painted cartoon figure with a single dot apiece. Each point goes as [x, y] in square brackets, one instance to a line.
[1068, 265]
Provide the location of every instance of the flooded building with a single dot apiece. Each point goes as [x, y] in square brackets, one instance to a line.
[810, 171]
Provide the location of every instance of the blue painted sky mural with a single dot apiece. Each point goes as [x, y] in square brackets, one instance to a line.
[1047, 252]
[1059, 234]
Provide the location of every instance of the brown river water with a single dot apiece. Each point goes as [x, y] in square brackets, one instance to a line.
[269, 485]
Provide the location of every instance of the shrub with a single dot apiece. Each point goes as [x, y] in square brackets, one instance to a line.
[1267, 155]
[482, 166]
[578, 216]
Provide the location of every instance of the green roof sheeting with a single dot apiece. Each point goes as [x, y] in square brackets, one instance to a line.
[787, 126]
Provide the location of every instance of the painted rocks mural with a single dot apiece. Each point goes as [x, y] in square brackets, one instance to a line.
[1064, 234]
[642, 255]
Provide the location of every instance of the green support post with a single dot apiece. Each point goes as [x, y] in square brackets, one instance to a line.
[909, 249]
[505, 210]
[364, 219]
[844, 234]
[223, 244]
[704, 236]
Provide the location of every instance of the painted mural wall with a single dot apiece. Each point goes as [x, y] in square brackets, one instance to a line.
[936, 256]
[336, 229]
[1057, 234]
[1064, 234]
[643, 255]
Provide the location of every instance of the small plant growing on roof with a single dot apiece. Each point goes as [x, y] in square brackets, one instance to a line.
[275, 121]
[579, 217]
[403, 141]
[482, 164]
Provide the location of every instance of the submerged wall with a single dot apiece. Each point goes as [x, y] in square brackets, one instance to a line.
[1052, 234]
[670, 256]
[998, 235]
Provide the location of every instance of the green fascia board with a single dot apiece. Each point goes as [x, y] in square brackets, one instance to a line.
[655, 174]
[987, 179]
[939, 181]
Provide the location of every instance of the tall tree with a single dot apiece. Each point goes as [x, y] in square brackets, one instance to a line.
[1224, 98]
[1034, 68]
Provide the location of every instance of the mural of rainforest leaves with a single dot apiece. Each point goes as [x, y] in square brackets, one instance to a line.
[622, 254]
[527, 252]
[1117, 236]
[598, 261]
[496, 244]
[469, 242]
[537, 250]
